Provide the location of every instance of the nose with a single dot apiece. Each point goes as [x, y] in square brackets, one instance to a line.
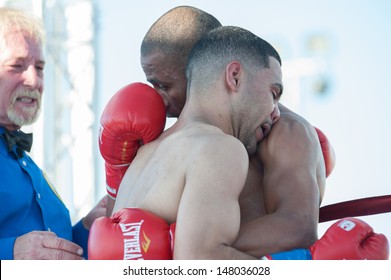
[275, 114]
[31, 78]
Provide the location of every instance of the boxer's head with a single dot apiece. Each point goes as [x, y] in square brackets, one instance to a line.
[236, 70]
[165, 50]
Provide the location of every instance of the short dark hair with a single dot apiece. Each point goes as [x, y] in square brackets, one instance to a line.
[176, 32]
[225, 44]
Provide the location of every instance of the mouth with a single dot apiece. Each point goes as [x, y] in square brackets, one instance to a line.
[266, 128]
[27, 101]
[263, 131]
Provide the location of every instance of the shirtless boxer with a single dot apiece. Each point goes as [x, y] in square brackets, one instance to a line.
[132, 233]
[194, 172]
[268, 213]
[273, 210]
[164, 55]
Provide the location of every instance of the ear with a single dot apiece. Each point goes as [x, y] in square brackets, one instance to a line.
[233, 72]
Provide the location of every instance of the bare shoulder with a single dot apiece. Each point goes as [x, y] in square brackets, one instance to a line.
[218, 157]
[222, 149]
[292, 137]
[292, 129]
[210, 141]
[293, 122]
[226, 145]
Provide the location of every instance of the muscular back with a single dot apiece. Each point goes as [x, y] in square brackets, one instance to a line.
[155, 180]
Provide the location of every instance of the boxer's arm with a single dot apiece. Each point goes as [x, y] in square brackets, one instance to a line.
[290, 156]
[110, 206]
[209, 216]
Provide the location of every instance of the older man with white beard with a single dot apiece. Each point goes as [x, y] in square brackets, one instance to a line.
[35, 224]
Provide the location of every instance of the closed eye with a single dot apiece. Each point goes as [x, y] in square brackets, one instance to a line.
[162, 87]
[17, 66]
[277, 90]
[40, 67]
[158, 85]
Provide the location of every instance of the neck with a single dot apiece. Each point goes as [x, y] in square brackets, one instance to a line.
[209, 109]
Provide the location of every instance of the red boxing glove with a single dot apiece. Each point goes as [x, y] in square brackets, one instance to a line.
[328, 151]
[351, 239]
[134, 116]
[130, 234]
[347, 239]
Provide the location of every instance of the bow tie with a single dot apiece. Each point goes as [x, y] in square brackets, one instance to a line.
[23, 141]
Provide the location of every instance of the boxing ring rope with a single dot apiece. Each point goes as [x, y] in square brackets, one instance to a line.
[354, 208]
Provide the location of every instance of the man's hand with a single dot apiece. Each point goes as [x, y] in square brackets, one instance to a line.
[98, 211]
[45, 245]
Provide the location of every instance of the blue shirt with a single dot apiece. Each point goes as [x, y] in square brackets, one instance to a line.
[29, 202]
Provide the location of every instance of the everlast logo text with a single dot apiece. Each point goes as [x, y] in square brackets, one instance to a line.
[134, 247]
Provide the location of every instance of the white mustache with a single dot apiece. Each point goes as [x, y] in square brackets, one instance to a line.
[27, 115]
[33, 94]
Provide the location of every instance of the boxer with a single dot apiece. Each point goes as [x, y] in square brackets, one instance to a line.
[164, 53]
[155, 61]
[138, 234]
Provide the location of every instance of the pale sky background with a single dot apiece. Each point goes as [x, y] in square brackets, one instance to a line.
[353, 111]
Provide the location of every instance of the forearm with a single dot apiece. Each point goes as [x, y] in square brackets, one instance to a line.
[110, 206]
[220, 252]
[275, 233]
[231, 253]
